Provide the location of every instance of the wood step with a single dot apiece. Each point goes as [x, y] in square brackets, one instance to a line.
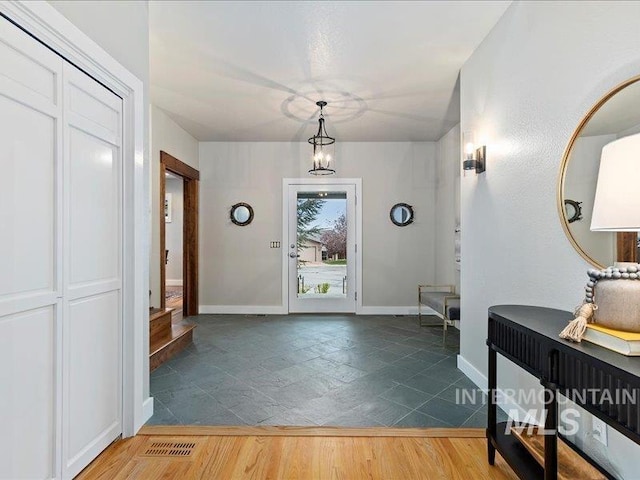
[158, 313]
[160, 323]
[164, 347]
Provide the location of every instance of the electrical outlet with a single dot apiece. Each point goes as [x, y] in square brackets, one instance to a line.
[599, 430]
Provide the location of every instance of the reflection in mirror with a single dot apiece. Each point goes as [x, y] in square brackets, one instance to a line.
[572, 210]
[615, 116]
[241, 214]
[401, 214]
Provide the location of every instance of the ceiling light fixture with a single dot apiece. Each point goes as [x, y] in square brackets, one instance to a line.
[322, 158]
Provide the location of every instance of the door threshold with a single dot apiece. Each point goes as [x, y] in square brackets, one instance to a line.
[290, 431]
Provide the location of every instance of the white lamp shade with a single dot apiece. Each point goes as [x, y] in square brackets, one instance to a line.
[616, 206]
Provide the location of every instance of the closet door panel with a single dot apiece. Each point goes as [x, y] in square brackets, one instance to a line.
[94, 405]
[30, 243]
[27, 343]
[92, 324]
[94, 237]
[27, 193]
[29, 70]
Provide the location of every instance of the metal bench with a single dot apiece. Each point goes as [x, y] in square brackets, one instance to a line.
[443, 300]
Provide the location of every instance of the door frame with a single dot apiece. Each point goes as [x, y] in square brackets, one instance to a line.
[191, 179]
[48, 26]
[286, 182]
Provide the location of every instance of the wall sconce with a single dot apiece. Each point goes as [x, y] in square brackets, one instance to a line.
[474, 158]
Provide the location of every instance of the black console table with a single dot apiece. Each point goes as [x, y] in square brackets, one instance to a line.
[528, 336]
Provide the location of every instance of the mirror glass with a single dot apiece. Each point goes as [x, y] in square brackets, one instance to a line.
[615, 116]
[401, 214]
[241, 214]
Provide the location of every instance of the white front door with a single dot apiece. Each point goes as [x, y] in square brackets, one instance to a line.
[321, 247]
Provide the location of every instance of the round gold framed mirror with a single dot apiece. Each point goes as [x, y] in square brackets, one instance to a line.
[614, 116]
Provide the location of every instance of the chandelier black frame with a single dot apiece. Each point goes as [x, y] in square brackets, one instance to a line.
[321, 161]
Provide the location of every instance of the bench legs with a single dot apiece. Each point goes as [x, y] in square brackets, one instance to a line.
[445, 323]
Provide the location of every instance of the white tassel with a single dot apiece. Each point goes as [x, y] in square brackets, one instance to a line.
[576, 328]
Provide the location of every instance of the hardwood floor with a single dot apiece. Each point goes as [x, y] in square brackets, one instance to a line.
[297, 453]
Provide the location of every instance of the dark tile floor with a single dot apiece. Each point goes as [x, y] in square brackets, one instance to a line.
[310, 370]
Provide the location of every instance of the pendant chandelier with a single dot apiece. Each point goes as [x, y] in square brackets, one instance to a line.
[321, 156]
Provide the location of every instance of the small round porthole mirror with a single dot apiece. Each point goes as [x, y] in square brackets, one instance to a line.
[241, 214]
[401, 214]
[573, 210]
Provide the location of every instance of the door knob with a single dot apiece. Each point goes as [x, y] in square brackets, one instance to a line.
[293, 255]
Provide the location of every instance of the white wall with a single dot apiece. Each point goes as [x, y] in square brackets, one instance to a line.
[166, 136]
[174, 231]
[447, 206]
[237, 267]
[524, 91]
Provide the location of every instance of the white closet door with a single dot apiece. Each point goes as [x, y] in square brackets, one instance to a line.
[60, 264]
[30, 249]
[92, 325]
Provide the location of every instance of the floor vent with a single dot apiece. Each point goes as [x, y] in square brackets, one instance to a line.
[170, 449]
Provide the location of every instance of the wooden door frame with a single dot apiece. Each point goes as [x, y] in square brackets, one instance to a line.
[627, 247]
[191, 178]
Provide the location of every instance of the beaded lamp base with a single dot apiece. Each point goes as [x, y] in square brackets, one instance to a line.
[616, 293]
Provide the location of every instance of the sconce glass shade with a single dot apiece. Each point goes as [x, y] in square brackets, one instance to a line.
[617, 202]
[474, 158]
[468, 161]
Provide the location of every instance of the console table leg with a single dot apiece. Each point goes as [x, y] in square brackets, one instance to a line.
[492, 416]
[551, 439]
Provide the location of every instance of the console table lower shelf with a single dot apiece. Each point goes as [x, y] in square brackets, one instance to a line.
[515, 454]
[525, 455]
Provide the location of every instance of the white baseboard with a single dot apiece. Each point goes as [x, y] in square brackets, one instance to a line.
[380, 310]
[147, 409]
[280, 310]
[472, 373]
[477, 377]
[173, 282]
[243, 309]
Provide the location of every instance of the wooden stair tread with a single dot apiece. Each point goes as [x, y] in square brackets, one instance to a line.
[157, 313]
[178, 330]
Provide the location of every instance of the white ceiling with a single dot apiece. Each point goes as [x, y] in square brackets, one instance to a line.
[252, 71]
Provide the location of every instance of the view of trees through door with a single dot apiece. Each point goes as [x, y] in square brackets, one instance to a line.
[322, 244]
